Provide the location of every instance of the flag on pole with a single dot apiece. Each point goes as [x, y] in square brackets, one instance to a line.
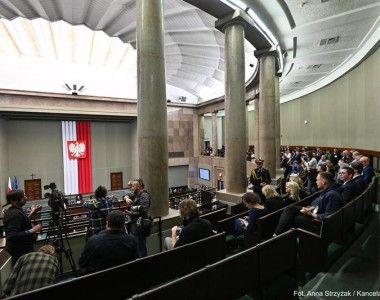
[15, 184]
[9, 189]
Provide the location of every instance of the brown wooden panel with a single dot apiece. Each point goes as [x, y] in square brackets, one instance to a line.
[33, 189]
[117, 181]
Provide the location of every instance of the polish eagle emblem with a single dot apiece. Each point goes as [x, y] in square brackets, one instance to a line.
[77, 149]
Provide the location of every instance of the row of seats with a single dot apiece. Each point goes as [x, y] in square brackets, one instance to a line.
[265, 227]
[336, 233]
[137, 276]
[267, 270]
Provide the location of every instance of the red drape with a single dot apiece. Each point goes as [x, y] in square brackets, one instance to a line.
[84, 164]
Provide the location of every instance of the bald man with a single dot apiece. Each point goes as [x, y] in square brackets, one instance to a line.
[368, 170]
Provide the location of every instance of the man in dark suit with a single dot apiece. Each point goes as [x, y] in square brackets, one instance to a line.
[368, 170]
[259, 178]
[358, 178]
[349, 190]
[328, 202]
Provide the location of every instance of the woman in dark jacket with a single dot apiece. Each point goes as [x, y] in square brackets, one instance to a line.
[256, 210]
[292, 193]
[273, 200]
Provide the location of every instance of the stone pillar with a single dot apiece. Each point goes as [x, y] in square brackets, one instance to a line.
[267, 136]
[152, 128]
[277, 124]
[236, 142]
[257, 125]
[214, 142]
[201, 128]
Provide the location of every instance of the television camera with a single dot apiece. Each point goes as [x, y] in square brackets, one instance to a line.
[56, 199]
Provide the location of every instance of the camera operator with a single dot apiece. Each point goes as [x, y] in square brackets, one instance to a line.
[98, 209]
[138, 211]
[20, 234]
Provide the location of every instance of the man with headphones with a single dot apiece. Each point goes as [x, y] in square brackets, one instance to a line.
[20, 234]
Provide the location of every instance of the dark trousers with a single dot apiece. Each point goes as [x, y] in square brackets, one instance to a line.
[291, 217]
[140, 237]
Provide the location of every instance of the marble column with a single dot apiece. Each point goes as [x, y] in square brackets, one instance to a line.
[235, 129]
[267, 125]
[257, 125]
[201, 128]
[277, 124]
[152, 128]
[214, 142]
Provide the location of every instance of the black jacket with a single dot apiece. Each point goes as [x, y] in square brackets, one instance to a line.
[197, 229]
[107, 249]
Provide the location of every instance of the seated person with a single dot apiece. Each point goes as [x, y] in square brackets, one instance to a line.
[109, 248]
[368, 170]
[256, 210]
[292, 193]
[328, 202]
[358, 177]
[194, 228]
[32, 271]
[349, 190]
[302, 192]
[273, 201]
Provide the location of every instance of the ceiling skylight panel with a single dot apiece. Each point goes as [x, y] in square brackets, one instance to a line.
[115, 53]
[17, 32]
[7, 43]
[99, 48]
[61, 40]
[82, 47]
[44, 39]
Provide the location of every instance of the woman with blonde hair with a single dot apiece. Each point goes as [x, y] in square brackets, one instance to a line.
[302, 193]
[292, 193]
[273, 200]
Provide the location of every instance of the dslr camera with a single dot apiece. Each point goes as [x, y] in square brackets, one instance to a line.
[137, 209]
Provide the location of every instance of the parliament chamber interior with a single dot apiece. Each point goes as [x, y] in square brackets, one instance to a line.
[187, 149]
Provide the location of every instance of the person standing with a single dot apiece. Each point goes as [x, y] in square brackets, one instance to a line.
[98, 209]
[32, 271]
[20, 234]
[139, 211]
[259, 178]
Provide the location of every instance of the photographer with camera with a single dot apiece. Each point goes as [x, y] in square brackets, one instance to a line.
[138, 212]
[98, 209]
[194, 228]
[20, 234]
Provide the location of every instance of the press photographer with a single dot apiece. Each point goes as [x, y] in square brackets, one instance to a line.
[98, 209]
[138, 210]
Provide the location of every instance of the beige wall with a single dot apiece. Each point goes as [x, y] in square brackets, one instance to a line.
[35, 147]
[344, 114]
[3, 160]
[111, 152]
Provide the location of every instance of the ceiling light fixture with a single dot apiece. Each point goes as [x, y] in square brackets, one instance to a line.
[74, 89]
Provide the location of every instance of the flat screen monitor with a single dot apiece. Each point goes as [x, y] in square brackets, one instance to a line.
[204, 174]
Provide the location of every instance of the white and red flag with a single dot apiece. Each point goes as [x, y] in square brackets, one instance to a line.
[76, 141]
[9, 188]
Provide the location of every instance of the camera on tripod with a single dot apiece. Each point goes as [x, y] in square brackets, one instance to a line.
[57, 201]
